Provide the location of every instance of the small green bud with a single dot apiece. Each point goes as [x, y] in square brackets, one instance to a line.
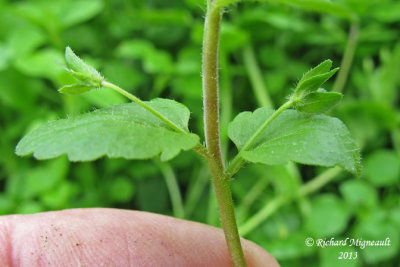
[81, 71]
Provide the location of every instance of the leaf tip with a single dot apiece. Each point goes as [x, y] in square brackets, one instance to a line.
[74, 89]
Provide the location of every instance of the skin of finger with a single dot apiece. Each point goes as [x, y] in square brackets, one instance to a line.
[111, 237]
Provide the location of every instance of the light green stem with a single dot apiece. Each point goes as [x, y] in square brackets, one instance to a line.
[251, 196]
[319, 181]
[212, 207]
[262, 215]
[347, 60]
[198, 183]
[173, 189]
[238, 161]
[256, 78]
[273, 205]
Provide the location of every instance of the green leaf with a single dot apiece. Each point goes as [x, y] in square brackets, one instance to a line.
[382, 168]
[5, 56]
[358, 193]
[126, 130]
[316, 140]
[121, 190]
[311, 5]
[154, 60]
[319, 102]
[308, 96]
[75, 12]
[45, 177]
[328, 217]
[75, 89]
[330, 256]
[80, 70]
[322, 68]
[41, 64]
[376, 227]
[314, 83]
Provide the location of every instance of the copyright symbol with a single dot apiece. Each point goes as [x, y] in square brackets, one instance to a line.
[309, 242]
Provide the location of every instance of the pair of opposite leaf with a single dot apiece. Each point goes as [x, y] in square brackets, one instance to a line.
[309, 97]
[86, 76]
[130, 131]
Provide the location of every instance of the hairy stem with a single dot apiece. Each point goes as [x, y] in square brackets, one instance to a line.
[347, 60]
[212, 133]
[227, 213]
[210, 84]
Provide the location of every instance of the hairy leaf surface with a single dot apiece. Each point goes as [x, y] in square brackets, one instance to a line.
[319, 102]
[315, 140]
[126, 130]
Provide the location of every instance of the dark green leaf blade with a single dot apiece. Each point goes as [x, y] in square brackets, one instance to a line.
[315, 140]
[126, 130]
[319, 102]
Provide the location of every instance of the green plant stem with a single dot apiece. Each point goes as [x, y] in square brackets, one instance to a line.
[252, 223]
[312, 186]
[210, 84]
[228, 220]
[143, 104]
[319, 181]
[256, 79]
[347, 59]
[199, 181]
[212, 133]
[173, 189]
[251, 196]
[212, 207]
[238, 161]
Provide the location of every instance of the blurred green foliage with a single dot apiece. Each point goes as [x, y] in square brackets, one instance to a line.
[153, 48]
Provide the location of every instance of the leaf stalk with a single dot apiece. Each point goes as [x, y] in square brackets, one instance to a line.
[238, 161]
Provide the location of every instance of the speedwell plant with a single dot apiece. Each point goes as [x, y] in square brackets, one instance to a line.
[297, 131]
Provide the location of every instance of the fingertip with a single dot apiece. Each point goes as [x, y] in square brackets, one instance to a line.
[256, 256]
[118, 238]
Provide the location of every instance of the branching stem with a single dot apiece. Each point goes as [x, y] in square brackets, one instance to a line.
[212, 133]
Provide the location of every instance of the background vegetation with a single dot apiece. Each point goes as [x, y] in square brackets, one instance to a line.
[152, 49]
